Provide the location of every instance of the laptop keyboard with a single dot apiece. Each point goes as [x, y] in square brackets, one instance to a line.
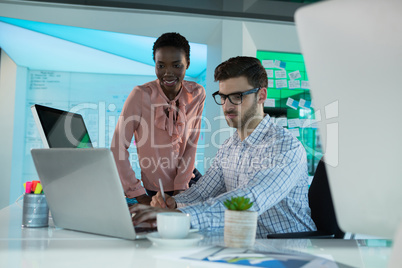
[145, 229]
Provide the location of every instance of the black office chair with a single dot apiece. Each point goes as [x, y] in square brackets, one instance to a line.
[322, 209]
[197, 176]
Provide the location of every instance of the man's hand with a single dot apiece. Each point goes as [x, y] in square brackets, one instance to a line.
[157, 201]
[144, 199]
[147, 214]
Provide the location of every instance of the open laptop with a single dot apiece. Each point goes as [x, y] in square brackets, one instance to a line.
[84, 192]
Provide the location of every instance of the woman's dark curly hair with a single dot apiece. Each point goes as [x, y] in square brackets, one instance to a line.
[173, 40]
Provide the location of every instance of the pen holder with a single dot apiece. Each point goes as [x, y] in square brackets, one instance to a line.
[35, 212]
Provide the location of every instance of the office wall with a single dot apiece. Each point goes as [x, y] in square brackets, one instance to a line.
[12, 96]
[225, 38]
[7, 97]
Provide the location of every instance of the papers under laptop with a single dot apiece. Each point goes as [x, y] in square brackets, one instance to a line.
[84, 192]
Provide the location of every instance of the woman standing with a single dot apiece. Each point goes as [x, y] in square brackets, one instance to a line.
[164, 116]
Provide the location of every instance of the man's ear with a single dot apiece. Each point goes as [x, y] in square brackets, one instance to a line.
[262, 95]
[188, 64]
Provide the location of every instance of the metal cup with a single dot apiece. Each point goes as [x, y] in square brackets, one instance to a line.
[35, 211]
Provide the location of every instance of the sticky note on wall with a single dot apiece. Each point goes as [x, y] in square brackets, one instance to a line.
[281, 83]
[281, 121]
[292, 103]
[292, 123]
[294, 75]
[268, 63]
[295, 132]
[280, 64]
[280, 74]
[305, 84]
[305, 104]
[294, 84]
[309, 123]
[269, 103]
[270, 73]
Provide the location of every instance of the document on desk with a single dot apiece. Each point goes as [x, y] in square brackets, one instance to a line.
[253, 258]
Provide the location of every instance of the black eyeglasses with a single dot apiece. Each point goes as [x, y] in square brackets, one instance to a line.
[235, 98]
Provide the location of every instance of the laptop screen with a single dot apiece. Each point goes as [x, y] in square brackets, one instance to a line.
[60, 129]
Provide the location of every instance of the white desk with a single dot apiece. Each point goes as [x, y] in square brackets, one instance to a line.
[54, 247]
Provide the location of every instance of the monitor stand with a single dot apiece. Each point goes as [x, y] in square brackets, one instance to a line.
[395, 260]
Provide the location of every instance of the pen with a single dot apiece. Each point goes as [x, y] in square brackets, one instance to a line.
[162, 192]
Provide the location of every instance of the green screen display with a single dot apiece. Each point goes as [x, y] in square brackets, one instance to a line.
[85, 142]
[289, 97]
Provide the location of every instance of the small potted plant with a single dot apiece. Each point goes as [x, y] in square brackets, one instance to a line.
[240, 224]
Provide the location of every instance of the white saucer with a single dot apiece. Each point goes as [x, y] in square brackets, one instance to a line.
[189, 240]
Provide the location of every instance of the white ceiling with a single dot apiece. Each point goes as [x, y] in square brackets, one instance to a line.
[46, 46]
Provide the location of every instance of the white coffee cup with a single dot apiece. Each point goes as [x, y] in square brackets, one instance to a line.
[173, 225]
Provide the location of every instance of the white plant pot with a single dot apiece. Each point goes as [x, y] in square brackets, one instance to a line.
[240, 228]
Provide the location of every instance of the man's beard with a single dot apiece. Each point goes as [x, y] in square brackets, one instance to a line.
[245, 120]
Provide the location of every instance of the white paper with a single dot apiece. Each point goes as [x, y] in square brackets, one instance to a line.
[292, 103]
[294, 84]
[292, 123]
[270, 73]
[281, 83]
[322, 263]
[302, 102]
[309, 123]
[280, 74]
[294, 75]
[214, 256]
[312, 123]
[269, 103]
[295, 132]
[289, 102]
[270, 83]
[305, 104]
[277, 63]
[305, 84]
[268, 63]
[281, 121]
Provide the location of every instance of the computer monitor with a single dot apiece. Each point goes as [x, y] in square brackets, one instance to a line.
[353, 56]
[60, 129]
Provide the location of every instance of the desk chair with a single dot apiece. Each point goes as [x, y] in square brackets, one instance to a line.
[322, 209]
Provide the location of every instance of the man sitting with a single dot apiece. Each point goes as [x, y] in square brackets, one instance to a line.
[261, 161]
